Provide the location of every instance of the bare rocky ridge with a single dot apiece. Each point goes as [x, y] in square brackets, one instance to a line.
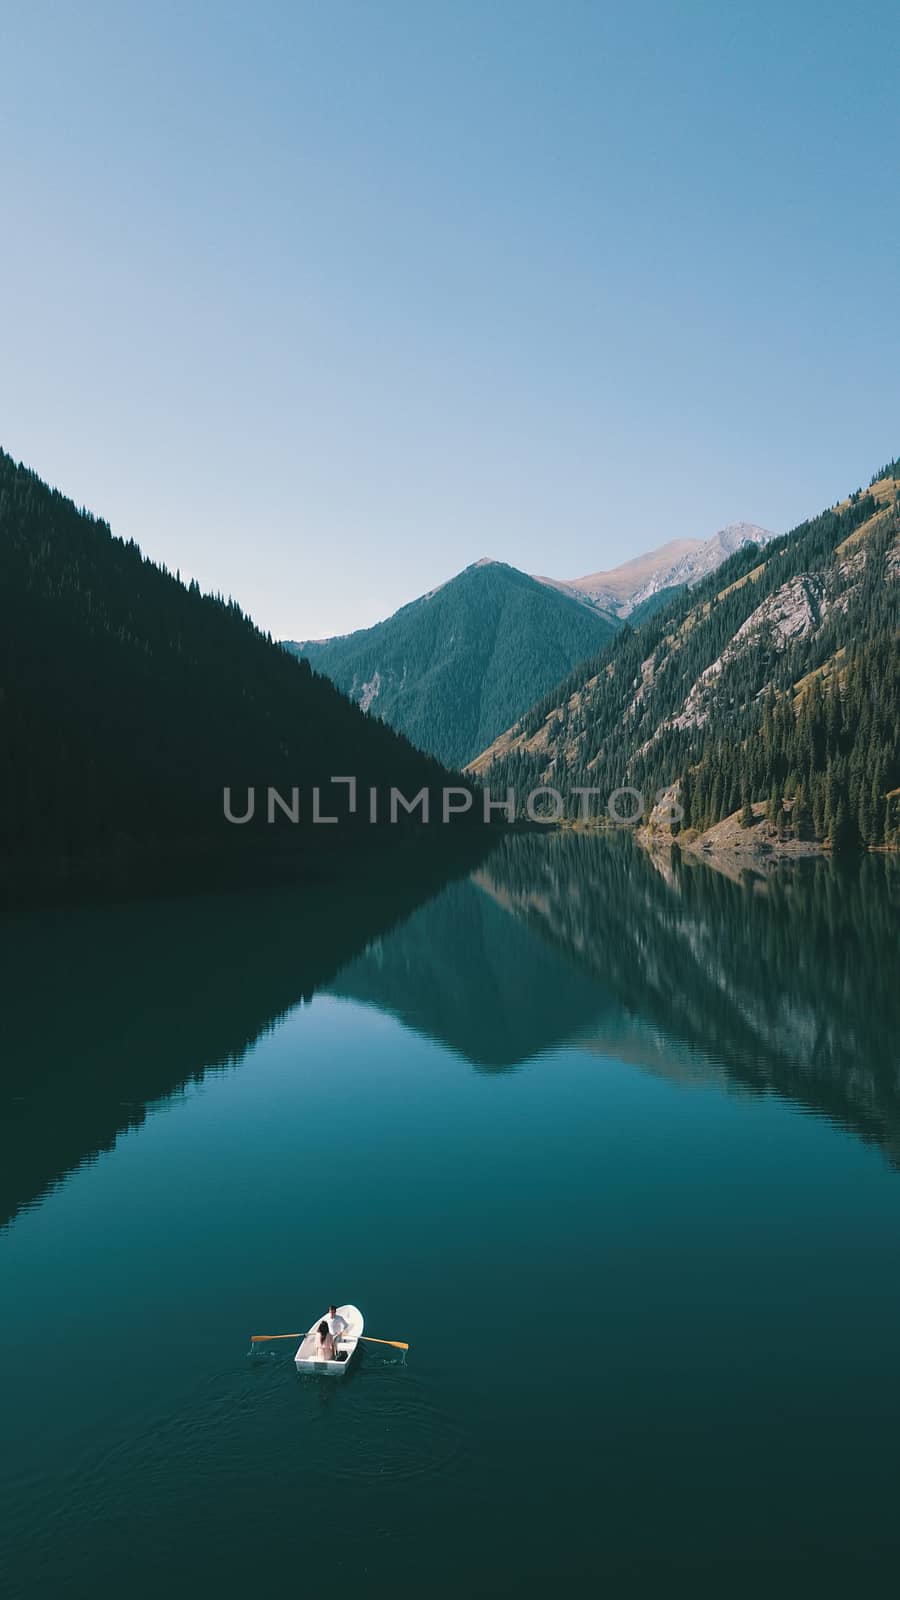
[796, 609]
[679, 562]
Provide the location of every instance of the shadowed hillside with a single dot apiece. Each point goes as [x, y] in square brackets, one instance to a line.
[128, 701]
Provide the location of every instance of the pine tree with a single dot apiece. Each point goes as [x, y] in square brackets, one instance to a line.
[802, 816]
[844, 834]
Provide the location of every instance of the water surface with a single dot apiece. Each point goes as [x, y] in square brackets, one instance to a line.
[612, 1142]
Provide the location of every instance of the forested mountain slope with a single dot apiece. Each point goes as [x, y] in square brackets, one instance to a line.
[455, 667]
[128, 700]
[777, 679]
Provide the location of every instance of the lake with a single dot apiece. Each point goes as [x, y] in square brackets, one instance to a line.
[613, 1142]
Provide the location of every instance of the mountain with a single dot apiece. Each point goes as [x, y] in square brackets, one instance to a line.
[128, 701]
[681, 562]
[775, 679]
[455, 667]
[615, 588]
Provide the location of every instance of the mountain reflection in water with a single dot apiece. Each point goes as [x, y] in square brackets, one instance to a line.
[786, 984]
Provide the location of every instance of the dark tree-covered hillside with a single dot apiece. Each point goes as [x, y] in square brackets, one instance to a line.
[128, 700]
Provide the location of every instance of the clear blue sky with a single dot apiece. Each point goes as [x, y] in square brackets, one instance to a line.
[321, 303]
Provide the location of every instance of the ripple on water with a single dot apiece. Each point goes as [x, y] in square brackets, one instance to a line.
[377, 1426]
[396, 1431]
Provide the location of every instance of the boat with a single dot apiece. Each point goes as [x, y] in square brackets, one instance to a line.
[345, 1345]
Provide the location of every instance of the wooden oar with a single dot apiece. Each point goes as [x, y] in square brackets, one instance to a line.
[259, 1338]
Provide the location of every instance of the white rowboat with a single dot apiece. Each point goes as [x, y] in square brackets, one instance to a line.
[344, 1346]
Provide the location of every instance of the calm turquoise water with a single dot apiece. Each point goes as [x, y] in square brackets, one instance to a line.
[613, 1146]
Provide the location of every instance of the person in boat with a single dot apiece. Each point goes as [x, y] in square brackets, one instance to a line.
[324, 1350]
[337, 1325]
